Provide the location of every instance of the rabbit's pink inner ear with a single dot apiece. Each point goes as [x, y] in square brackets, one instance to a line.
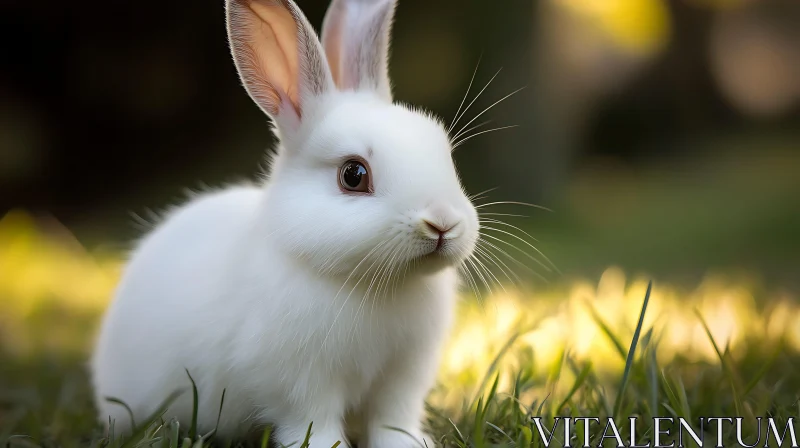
[264, 40]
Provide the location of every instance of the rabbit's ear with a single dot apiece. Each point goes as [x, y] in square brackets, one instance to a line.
[278, 56]
[356, 35]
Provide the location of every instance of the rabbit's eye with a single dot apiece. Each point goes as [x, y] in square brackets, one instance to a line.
[354, 176]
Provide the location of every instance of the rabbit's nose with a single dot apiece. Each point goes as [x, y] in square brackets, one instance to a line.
[437, 231]
[439, 220]
[438, 228]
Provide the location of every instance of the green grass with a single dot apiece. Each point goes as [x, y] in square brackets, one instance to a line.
[45, 401]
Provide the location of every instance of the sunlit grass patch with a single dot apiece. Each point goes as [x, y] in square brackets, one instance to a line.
[724, 347]
[41, 262]
[49, 285]
[593, 320]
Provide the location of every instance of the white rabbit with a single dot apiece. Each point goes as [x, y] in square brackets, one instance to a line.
[328, 290]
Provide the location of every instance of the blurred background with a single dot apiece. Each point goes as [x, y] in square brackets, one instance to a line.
[663, 134]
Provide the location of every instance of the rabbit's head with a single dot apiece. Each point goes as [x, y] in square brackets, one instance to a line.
[359, 184]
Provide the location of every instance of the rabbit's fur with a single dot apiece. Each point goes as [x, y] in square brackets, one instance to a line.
[303, 301]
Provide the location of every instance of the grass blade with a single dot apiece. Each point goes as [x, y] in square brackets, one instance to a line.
[24, 439]
[174, 437]
[213, 432]
[307, 441]
[632, 352]
[723, 363]
[265, 436]
[606, 329]
[578, 383]
[762, 371]
[125, 405]
[142, 429]
[193, 427]
[493, 366]
[652, 377]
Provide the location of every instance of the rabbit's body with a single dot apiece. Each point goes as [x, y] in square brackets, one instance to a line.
[326, 292]
[286, 340]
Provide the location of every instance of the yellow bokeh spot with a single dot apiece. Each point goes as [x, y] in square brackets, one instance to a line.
[637, 26]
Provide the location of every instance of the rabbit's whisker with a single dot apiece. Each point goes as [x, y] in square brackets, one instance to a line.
[497, 221]
[344, 303]
[464, 269]
[488, 190]
[472, 261]
[405, 269]
[450, 128]
[472, 102]
[513, 259]
[480, 261]
[499, 254]
[327, 267]
[331, 262]
[488, 244]
[505, 214]
[460, 142]
[384, 262]
[455, 138]
[391, 277]
[490, 107]
[380, 261]
[531, 257]
[469, 267]
[385, 272]
[400, 279]
[489, 257]
[385, 276]
[503, 223]
[527, 204]
[485, 270]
